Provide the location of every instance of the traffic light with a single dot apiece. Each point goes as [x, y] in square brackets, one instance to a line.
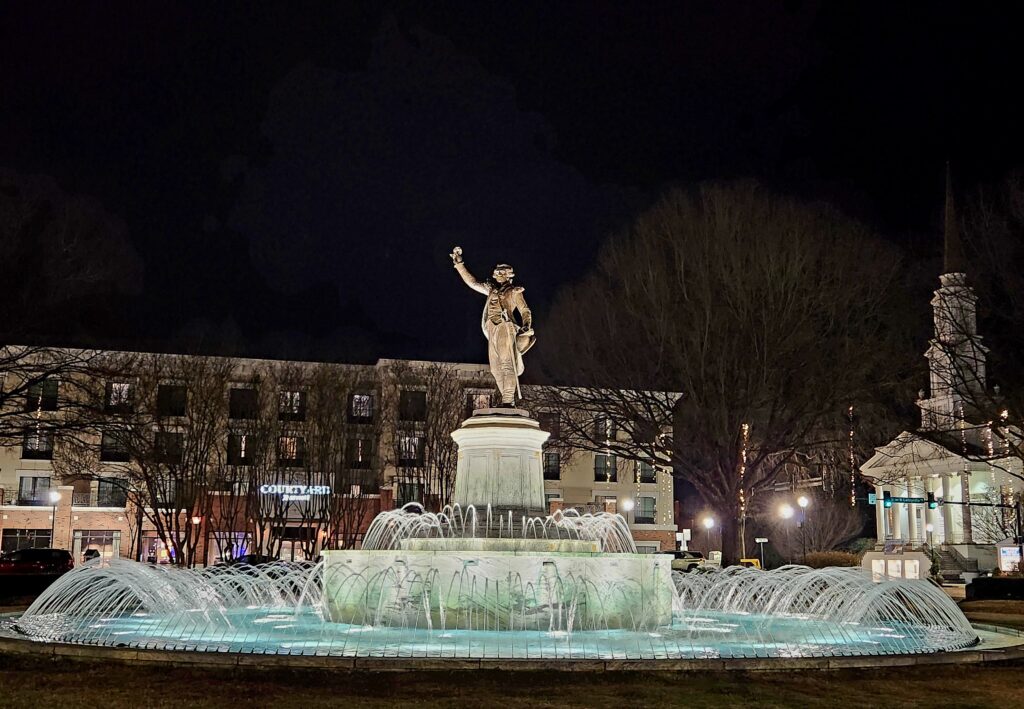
[932, 504]
[886, 499]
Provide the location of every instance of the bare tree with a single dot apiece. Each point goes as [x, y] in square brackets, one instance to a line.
[422, 404]
[768, 315]
[164, 422]
[827, 523]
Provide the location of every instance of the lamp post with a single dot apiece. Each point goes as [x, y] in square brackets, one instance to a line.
[803, 501]
[786, 512]
[54, 499]
[708, 524]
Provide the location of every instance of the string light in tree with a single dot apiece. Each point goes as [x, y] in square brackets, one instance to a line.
[745, 441]
[853, 458]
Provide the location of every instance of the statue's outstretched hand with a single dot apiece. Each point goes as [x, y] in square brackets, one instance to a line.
[456, 255]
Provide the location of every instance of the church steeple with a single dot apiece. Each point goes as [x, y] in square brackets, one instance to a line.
[953, 253]
[956, 357]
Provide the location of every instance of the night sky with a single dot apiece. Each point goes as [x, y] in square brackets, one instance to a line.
[290, 177]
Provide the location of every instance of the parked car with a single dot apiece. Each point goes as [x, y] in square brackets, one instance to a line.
[687, 560]
[250, 560]
[36, 562]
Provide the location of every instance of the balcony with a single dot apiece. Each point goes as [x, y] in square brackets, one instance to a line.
[103, 498]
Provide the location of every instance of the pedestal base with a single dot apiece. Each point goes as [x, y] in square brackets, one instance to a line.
[500, 463]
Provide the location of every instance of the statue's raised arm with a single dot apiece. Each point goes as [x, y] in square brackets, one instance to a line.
[508, 338]
[467, 277]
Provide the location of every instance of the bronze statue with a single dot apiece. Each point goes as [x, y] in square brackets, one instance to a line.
[508, 339]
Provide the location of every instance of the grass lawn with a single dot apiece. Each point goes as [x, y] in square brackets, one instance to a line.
[38, 682]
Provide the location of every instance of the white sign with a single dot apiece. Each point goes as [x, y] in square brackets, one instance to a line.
[294, 493]
[760, 540]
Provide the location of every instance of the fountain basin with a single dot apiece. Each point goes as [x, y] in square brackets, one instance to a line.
[541, 586]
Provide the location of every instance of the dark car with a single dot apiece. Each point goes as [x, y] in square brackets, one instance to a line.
[687, 560]
[250, 560]
[36, 562]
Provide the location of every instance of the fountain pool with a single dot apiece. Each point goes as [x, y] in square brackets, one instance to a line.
[282, 609]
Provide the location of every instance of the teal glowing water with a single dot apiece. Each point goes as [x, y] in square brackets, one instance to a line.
[280, 609]
[707, 635]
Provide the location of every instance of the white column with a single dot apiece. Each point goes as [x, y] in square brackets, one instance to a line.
[880, 514]
[900, 528]
[912, 534]
[965, 509]
[929, 514]
[948, 533]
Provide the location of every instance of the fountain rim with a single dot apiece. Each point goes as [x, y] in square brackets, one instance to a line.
[976, 654]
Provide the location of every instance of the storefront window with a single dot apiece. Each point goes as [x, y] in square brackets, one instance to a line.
[225, 546]
[14, 539]
[107, 542]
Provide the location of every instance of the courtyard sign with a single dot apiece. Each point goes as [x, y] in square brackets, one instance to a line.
[295, 493]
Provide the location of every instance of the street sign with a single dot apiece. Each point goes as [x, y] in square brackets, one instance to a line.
[760, 540]
[908, 500]
[872, 499]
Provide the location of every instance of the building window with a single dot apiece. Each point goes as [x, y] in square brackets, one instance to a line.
[240, 448]
[168, 447]
[647, 549]
[410, 451]
[105, 541]
[14, 539]
[606, 503]
[412, 406]
[604, 429]
[34, 491]
[477, 400]
[42, 396]
[110, 493]
[112, 449]
[550, 495]
[646, 472]
[409, 491]
[291, 406]
[242, 403]
[118, 399]
[360, 408]
[552, 466]
[37, 444]
[644, 511]
[291, 451]
[551, 422]
[170, 400]
[360, 453]
[605, 468]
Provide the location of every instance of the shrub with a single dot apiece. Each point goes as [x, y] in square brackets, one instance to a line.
[821, 559]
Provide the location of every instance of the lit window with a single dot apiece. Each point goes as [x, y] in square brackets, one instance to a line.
[361, 407]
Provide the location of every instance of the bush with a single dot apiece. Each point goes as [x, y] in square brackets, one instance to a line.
[821, 559]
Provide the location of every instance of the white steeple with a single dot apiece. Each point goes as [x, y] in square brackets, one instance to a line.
[956, 357]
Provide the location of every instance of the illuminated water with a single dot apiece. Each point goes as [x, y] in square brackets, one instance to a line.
[279, 609]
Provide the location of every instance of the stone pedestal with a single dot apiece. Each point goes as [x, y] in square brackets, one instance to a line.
[500, 463]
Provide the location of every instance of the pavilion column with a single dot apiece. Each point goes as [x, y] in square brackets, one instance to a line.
[929, 513]
[965, 509]
[900, 508]
[912, 535]
[947, 508]
[880, 513]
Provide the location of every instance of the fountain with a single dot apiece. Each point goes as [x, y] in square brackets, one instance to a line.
[493, 577]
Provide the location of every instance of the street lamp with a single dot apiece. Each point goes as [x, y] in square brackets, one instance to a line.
[786, 512]
[708, 523]
[803, 502]
[628, 505]
[54, 499]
